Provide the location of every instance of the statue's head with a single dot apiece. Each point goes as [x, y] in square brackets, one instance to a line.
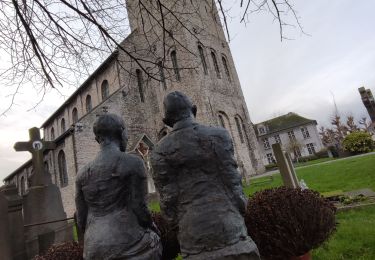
[177, 107]
[111, 128]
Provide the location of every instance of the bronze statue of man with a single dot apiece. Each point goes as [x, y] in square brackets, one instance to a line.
[110, 199]
[199, 186]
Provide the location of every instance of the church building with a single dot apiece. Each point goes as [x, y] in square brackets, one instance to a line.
[181, 46]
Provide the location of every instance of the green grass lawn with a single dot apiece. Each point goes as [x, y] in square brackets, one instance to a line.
[355, 236]
[346, 175]
[299, 164]
[354, 239]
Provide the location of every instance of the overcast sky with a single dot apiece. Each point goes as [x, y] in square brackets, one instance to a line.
[300, 75]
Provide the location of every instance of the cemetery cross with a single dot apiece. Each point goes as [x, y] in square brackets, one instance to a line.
[36, 146]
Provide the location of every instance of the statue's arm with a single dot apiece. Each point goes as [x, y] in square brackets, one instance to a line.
[139, 193]
[81, 206]
[230, 174]
[165, 183]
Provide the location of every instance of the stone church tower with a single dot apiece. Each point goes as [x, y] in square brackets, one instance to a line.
[178, 45]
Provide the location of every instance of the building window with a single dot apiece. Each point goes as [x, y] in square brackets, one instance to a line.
[203, 59]
[216, 65]
[62, 169]
[161, 74]
[63, 127]
[270, 158]
[221, 121]
[291, 136]
[175, 65]
[140, 84]
[239, 129]
[266, 144]
[297, 152]
[88, 103]
[277, 139]
[75, 115]
[52, 134]
[105, 89]
[310, 148]
[226, 68]
[305, 133]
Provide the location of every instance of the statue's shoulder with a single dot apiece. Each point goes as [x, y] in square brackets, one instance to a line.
[82, 173]
[212, 131]
[133, 162]
[132, 158]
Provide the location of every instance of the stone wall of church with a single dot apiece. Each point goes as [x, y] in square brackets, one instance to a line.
[213, 87]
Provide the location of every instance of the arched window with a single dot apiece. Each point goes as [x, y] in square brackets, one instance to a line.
[140, 84]
[23, 185]
[226, 68]
[161, 74]
[46, 167]
[63, 127]
[239, 128]
[203, 59]
[75, 115]
[175, 65]
[105, 89]
[216, 65]
[52, 134]
[221, 121]
[62, 169]
[88, 103]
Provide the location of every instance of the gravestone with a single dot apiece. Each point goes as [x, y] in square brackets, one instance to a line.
[36, 146]
[5, 246]
[43, 201]
[292, 170]
[15, 221]
[285, 166]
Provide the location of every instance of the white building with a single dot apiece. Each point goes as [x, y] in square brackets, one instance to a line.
[297, 135]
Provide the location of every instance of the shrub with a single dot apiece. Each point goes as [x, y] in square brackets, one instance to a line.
[171, 246]
[322, 153]
[286, 222]
[65, 251]
[308, 158]
[271, 166]
[358, 142]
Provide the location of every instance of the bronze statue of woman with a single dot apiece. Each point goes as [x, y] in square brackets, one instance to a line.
[110, 199]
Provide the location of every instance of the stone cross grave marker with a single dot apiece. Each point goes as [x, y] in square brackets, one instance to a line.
[286, 169]
[36, 146]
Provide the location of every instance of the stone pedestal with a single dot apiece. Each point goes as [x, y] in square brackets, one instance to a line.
[5, 246]
[42, 204]
[15, 222]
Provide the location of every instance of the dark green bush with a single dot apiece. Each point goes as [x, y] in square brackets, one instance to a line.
[358, 142]
[322, 153]
[271, 166]
[308, 158]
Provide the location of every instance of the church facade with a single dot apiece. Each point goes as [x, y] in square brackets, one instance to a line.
[185, 51]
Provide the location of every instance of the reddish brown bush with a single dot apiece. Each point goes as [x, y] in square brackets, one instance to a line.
[65, 251]
[287, 222]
